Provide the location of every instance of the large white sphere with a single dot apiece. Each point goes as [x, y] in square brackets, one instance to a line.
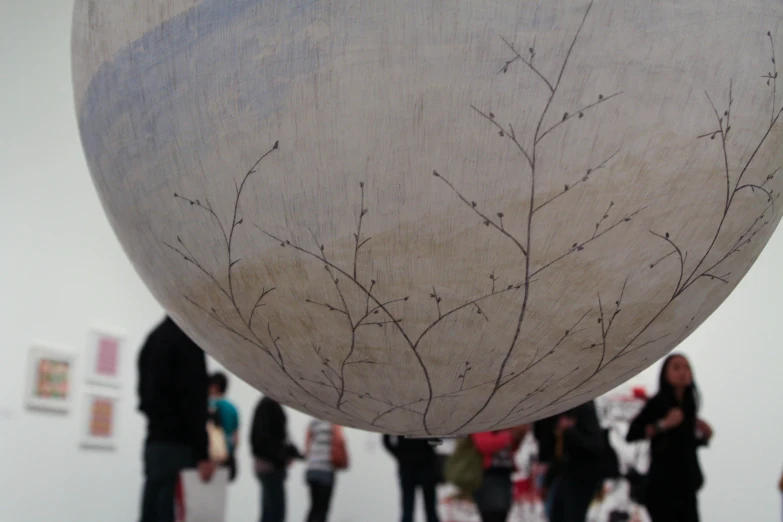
[434, 217]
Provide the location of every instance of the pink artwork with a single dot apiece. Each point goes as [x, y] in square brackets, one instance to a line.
[106, 360]
[104, 365]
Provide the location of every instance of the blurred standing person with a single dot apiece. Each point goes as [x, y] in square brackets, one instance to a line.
[326, 453]
[497, 449]
[670, 420]
[780, 484]
[273, 453]
[417, 468]
[173, 396]
[582, 451]
[227, 417]
[549, 452]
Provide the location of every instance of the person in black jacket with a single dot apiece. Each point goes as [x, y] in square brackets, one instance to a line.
[579, 471]
[670, 420]
[417, 465]
[173, 396]
[273, 452]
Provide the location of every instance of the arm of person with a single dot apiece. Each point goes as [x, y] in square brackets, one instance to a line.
[191, 383]
[308, 440]
[640, 427]
[339, 434]
[703, 433]
[256, 431]
[280, 450]
[491, 442]
[234, 420]
[586, 433]
[339, 442]
[544, 433]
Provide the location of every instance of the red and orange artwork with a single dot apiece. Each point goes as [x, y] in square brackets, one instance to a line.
[101, 418]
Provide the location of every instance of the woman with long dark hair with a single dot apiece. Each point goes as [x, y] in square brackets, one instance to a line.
[273, 453]
[670, 421]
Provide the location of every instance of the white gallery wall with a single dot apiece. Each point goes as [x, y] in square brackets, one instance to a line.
[61, 271]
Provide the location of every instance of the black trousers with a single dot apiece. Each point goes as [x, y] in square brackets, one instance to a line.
[320, 500]
[162, 465]
[494, 498]
[494, 517]
[412, 479]
[679, 506]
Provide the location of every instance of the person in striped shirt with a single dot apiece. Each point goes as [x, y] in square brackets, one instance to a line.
[325, 453]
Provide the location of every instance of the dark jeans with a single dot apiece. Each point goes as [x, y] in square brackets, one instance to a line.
[413, 478]
[321, 484]
[572, 497]
[549, 501]
[162, 465]
[272, 496]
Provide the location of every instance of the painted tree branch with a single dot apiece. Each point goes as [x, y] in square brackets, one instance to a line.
[528, 62]
[684, 283]
[772, 78]
[251, 337]
[527, 249]
[335, 374]
[579, 113]
[573, 185]
[528, 396]
[680, 254]
[236, 222]
[578, 247]
[487, 220]
[490, 117]
[258, 304]
[413, 345]
[536, 360]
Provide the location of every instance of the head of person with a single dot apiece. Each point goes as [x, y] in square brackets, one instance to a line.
[218, 384]
[676, 381]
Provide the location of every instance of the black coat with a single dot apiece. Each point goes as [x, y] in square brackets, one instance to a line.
[674, 464]
[173, 389]
[544, 432]
[586, 452]
[584, 445]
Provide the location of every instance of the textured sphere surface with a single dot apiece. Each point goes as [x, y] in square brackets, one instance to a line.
[429, 218]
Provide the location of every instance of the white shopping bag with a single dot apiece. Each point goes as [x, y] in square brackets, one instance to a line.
[199, 501]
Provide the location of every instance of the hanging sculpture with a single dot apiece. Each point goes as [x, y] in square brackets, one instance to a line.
[432, 218]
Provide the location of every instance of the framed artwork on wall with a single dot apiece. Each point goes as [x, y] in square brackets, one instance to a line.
[104, 358]
[100, 424]
[49, 379]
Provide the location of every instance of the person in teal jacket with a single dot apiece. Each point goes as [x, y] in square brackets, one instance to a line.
[227, 416]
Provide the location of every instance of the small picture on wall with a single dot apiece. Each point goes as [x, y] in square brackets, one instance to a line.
[49, 379]
[100, 424]
[104, 358]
